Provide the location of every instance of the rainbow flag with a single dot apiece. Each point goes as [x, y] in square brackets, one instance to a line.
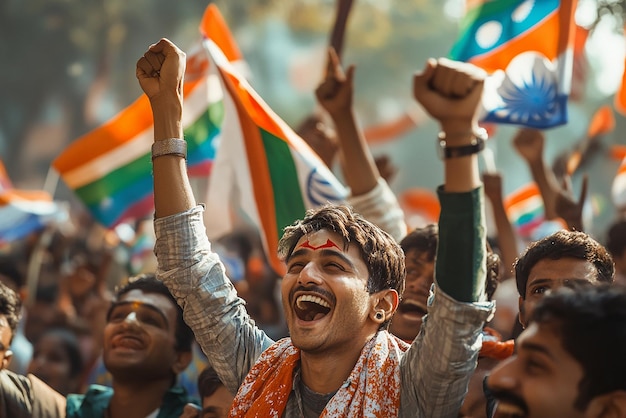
[109, 168]
[527, 47]
[524, 207]
[276, 174]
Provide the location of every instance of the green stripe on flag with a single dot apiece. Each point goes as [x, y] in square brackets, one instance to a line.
[207, 124]
[115, 180]
[284, 176]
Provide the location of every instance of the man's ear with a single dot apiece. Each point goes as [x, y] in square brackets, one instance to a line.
[183, 358]
[385, 304]
[609, 405]
[522, 312]
[7, 359]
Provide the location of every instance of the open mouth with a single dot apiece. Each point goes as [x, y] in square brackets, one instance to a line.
[509, 410]
[125, 341]
[412, 307]
[311, 307]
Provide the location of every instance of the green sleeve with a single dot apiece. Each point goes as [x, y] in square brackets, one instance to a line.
[460, 265]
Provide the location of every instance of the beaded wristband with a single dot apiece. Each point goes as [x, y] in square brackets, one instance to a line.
[476, 146]
[170, 146]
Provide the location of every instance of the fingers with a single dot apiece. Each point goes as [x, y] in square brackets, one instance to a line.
[421, 81]
[334, 65]
[154, 60]
[144, 68]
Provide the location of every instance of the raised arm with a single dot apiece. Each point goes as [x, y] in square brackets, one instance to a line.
[160, 73]
[335, 94]
[191, 271]
[450, 92]
[529, 144]
[443, 356]
[369, 193]
[507, 238]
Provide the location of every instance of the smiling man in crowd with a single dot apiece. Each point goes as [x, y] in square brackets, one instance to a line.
[343, 281]
[570, 359]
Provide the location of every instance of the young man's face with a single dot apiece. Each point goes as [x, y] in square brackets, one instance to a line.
[139, 337]
[325, 295]
[540, 380]
[5, 342]
[420, 273]
[550, 274]
[217, 404]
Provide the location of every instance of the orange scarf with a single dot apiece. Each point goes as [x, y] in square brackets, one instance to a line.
[493, 346]
[373, 391]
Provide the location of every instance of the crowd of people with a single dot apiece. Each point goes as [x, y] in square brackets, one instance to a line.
[370, 318]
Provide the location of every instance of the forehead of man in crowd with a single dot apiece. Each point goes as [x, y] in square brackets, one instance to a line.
[382, 255]
[561, 245]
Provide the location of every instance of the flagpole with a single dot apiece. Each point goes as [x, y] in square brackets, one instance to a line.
[51, 182]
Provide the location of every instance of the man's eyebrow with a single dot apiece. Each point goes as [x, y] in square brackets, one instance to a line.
[537, 348]
[147, 305]
[324, 252]
[541, 282]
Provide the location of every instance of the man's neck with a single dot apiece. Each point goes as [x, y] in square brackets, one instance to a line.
[326, 372]
[137, 399]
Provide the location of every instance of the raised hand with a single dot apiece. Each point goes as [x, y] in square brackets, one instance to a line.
[567, 207]
[450, 92]
[493, 186]
[161, 70]
[528, 143]
[335, 92]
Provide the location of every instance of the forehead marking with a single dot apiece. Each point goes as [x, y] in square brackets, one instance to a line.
[312, 246]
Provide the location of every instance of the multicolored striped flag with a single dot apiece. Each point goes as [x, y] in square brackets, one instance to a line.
[277, 176]
[527, 47]
[25, 211]
[109, 168]
[524, 208]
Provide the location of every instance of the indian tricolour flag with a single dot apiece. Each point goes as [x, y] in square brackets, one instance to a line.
[276, 174]
[527, 47]
[524, 208]
[109, 168]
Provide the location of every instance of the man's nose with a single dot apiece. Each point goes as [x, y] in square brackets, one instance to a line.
[131, 317]
[310, 274]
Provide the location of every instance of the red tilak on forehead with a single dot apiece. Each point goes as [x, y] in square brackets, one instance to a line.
[328, 244]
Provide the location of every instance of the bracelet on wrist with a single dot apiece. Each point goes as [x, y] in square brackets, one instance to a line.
[477, 144]
[170, 146]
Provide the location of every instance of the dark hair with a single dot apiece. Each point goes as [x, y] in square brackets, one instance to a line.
[591, 322]
[148, 283]
[564, 244]
[10, 305]
[616, 238]
[208, 382]
[380, 252]
[70, 344]
[423, 240]
[10, 270]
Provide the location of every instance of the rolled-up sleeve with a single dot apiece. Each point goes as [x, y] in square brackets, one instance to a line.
[196, 278]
